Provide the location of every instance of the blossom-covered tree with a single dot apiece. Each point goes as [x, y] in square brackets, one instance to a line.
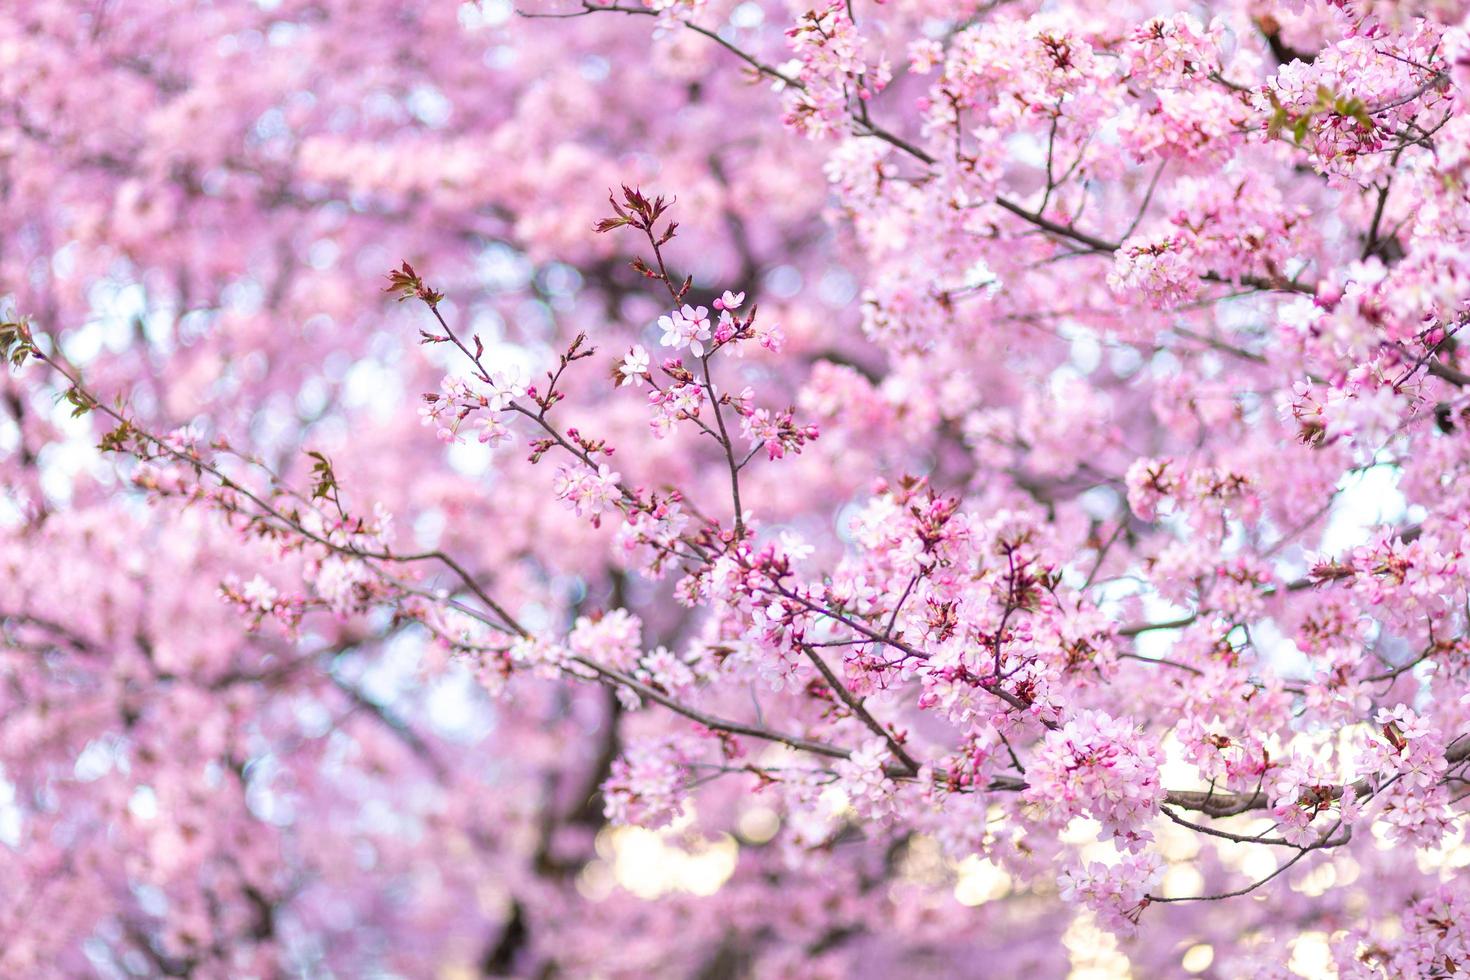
[985, 493]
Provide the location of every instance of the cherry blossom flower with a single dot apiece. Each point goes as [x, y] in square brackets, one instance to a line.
[634, 368]
[589, 494]
[260, 594]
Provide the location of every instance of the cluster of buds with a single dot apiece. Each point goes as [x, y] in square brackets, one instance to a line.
[406, 284]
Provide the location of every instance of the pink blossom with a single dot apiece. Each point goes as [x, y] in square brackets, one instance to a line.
[590, 494]
[634, 367]
[1098, 766]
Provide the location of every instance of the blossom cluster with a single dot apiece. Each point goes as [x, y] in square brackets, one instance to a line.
[1098, 766]
[1033, 501]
